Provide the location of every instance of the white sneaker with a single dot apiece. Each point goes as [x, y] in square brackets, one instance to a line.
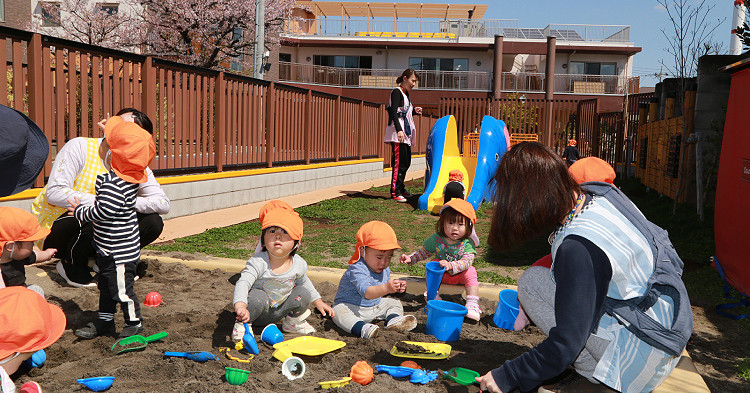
[238, 330]
[297, 324]
[61, 271]
[402, 323]
[475, 313]
[369, 331]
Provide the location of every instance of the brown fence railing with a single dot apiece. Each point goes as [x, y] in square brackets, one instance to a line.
[522, 116]
[204, 120]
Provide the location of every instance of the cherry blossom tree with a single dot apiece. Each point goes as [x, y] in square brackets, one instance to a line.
[89, 22]
[209, 33]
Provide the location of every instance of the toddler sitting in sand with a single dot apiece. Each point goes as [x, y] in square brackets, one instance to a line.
[359, 300]
[274, 284]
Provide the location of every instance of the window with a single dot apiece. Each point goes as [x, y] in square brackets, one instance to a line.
[287, 57]
[109, 8]
[591, 68]
[50, 14]
[343, 61]
[434, 64]
[2, 10]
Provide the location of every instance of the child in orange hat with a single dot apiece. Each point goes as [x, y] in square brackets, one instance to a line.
[454, 248]
[360, 297]
[27, 324]
[116, 236]
[455, 187]
[274, 284]
[18, 232]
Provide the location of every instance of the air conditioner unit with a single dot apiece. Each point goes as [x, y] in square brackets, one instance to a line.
[457, 27]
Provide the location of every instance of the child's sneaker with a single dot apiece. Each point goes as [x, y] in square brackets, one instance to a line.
[437, 296]
[369, 331]
[131, 330]
[297, 324]
[96, 328]
[238, 330]
[30, 387]
[399, 198]
[402, 323]
[472, 305]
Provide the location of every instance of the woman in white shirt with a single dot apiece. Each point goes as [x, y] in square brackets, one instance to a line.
[73, 174]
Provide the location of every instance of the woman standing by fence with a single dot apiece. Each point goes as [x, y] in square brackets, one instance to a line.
[400, 132]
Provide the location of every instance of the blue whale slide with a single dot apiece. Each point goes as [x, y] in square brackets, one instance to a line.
[443, 156]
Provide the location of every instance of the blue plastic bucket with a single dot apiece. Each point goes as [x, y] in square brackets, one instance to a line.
[507, 309]
[433, 278]
[445, 319]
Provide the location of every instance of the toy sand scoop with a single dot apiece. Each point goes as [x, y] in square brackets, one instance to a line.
[135, 343]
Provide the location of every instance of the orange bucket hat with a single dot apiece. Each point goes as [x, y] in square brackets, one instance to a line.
[272, 205]
[455, 175]
[592, 169]
[572, 142]
[287, 219]
[18, 225]
[132, 149]
[377, 235]
[462, 207]
[27, 322]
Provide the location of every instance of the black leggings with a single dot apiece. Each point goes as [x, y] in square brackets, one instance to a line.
[75, 242]
[400, 162]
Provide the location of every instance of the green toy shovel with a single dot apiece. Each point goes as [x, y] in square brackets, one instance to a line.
[135, 343]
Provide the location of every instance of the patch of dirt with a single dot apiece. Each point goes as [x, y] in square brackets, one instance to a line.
[198, 315]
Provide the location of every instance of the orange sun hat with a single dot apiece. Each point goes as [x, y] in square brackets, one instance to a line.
[28, 323]
[377, 235]
[592, 169]
[272, 205]
[462, 207]
[18, 225]
[286, 219]
[455, 175]
[132, 149]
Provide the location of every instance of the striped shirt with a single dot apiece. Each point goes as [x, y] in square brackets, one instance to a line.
[113, 215]
[629, 364]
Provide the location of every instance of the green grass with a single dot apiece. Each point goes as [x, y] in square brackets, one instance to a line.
[744, 369]
[330, 228]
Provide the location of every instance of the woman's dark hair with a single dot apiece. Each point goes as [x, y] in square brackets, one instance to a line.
[534, 193]
[451, 214]
[139, 118]
[263, 243]
[406, 75]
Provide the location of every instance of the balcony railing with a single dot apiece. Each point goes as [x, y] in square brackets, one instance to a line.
[453, 29]
[532, 82]
[381, 78]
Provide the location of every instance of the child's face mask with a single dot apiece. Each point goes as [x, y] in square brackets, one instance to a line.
[108, 159]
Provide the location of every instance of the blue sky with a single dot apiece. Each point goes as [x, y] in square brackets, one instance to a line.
[645, 17]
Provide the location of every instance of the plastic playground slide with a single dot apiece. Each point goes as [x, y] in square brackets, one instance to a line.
[443, 156]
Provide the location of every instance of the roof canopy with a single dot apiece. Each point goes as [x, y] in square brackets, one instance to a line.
[394, 10]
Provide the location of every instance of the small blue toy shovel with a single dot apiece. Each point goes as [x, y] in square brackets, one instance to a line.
[248, 341]
[196, 356]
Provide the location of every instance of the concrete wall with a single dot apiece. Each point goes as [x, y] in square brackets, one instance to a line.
[193, 197]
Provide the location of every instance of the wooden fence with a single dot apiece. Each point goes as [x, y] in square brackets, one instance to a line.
[522, 116]
[660, 147]
[204, 120]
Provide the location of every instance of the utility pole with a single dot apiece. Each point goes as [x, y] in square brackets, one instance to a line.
[260, 33]
[660, 73]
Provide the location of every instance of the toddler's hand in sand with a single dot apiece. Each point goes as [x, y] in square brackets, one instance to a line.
[394, 285]
[323, 307]
[405, 259]
[487, 383]
[43, 256]
[242, 314]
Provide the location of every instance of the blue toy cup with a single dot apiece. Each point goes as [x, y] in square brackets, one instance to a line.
[507, 309]
[433, 278]
[271, 334]
[445, 319]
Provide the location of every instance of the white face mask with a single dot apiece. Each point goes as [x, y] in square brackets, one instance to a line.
[108, 159]
[12, 250]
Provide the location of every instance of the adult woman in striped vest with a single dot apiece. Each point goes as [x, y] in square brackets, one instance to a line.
[400, 132]
[74, 172]
[600, 256]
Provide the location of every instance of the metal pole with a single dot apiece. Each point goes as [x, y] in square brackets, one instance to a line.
[738, 18]
[260, 33]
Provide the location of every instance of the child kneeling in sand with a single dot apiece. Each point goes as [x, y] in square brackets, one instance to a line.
[27, 324]
[359, 300]
[19, 230]
[274, 284]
